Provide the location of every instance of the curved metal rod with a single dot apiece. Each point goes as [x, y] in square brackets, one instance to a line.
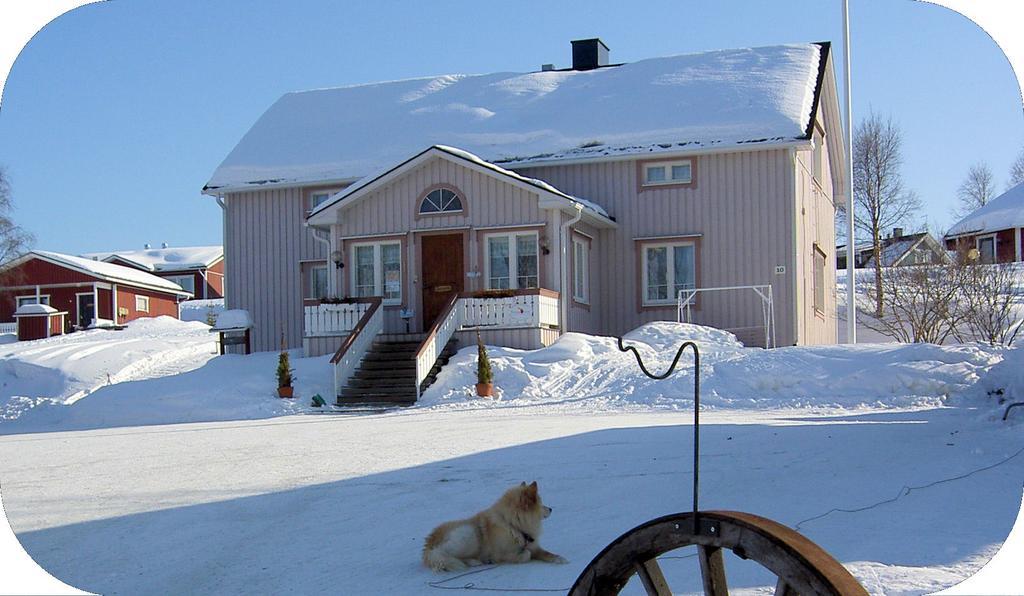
[696, 408]
[1010, 407]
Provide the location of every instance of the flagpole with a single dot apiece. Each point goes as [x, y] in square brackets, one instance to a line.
[851, 279]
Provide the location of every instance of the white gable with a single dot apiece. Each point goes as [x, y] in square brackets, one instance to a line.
[713, 99]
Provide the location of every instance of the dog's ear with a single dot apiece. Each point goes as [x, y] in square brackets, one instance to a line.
[522, 483]
[532, 488]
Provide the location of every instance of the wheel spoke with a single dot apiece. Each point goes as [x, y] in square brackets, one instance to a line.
[712, 570]
[652, 578]
[783, 589]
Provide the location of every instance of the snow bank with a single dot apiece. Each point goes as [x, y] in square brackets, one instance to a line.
[198, 310]
[580, 370]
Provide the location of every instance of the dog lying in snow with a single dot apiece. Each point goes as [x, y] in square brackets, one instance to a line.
[506, 532]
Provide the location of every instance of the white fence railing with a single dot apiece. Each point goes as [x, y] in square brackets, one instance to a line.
[332, 319]
[529, 310]
[436, 340]
[346, 365]
[9, 327]
[687, 297]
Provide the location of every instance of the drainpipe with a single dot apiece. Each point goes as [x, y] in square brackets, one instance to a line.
[326, 241]
[224, 244]
[563, 296]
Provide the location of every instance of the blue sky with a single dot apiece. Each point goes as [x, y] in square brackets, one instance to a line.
[115, 115]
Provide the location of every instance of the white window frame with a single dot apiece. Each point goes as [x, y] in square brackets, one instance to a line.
[44, 298]
[818, 284]
[144, 300]
[995, 249]
[175, 278]
[668, 172]
[441, 207]
[312, 280]
[378, 269]
[326, 194]
[670, 273]
[513, 257]
[580, 283]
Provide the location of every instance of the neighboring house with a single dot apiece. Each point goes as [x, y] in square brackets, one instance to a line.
[199, 270]
[93, 293]
[898, 250]
[584, 199]
[994, 230]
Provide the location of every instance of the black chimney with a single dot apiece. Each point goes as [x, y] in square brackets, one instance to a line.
[588, 54]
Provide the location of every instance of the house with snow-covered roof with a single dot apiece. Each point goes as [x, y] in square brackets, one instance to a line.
[199, 270]
[898, 250]
[994, 230]
[593, 198]
[92, 293]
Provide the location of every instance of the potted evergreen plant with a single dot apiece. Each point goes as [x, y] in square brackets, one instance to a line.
[284, 376]
[484, 386]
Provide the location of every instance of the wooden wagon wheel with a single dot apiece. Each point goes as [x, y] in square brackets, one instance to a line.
[801, 566]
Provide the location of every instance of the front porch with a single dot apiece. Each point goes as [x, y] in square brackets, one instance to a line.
[352, 329]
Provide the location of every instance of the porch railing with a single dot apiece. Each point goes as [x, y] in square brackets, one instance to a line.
[9, 327]
[346, 360]
[325, 319]
[437, 338]
[521, 308]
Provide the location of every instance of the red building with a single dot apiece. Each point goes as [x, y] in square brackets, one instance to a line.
[93, 293]
[995, 230]
[197, 269]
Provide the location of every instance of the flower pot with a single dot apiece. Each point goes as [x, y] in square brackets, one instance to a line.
[285, 391]
[485, 389]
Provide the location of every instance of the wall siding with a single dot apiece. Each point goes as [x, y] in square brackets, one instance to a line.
[265, 240]
[742, 206]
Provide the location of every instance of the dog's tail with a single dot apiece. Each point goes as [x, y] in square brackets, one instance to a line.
[438, 560]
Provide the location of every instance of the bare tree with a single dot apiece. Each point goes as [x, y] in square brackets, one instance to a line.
[880, 200]
[1016, 171]
[975, 191]
[13, 239]
[990, 302]
[921, 303]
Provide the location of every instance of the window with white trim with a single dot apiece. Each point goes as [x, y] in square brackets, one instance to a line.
[679, 171]
[377, 270]
[318, 198]
[142, 303]
[511, 261]
[440, 200]
[314, 280]
[580, 270]
[667, 269]
[819, 279]
[987, 249]
[187, 282]
[23, 300]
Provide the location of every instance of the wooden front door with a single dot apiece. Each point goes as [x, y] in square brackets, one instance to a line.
[442, 273]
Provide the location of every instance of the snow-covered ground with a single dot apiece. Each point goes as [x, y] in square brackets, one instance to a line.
[187, 475]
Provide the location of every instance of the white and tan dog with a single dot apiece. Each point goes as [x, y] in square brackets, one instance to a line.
[506, 532]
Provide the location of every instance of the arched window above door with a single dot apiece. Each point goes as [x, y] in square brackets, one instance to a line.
[441, 200]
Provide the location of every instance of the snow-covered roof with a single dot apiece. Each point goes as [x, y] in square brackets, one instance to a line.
[105, 271]
[165, 259]
[1003, 212]
[378, 177]
[724, 98]
[35, 309]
